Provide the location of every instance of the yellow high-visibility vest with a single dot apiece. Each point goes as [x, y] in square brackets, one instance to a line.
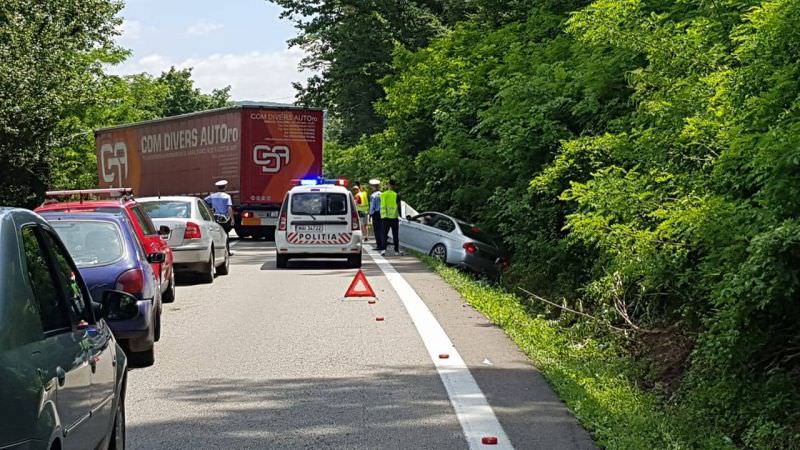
[364, 202]
[389, 209]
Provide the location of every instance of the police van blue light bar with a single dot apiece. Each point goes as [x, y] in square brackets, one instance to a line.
[319, 181]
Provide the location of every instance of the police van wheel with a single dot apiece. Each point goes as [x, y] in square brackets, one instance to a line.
[281, 261]
[354, 261]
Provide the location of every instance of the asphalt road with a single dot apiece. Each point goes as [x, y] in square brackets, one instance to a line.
[268, 358]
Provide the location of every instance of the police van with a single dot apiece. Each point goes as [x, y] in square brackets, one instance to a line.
[318, 219]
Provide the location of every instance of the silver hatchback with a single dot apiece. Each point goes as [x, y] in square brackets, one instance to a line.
[198, 242]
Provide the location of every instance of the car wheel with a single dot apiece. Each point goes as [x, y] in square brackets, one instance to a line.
[142, 359]
[157, 330]
[282, 261]
[225, 268]
[210, 268]
[439, 252]
[354, 261]
[169, 294]
[117, 441]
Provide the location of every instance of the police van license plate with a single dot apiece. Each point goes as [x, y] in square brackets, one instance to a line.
[301, 228]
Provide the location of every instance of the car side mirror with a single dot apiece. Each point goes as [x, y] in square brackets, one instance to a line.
[156, 258]
[408, 217]
[119, 305]
[219, 218]
[163, 230]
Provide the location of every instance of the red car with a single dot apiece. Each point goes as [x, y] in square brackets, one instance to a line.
[146, 232]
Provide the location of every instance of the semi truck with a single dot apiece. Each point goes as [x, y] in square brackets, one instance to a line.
[260, 150]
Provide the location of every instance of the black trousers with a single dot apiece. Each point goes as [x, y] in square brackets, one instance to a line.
[394, 226]
[377, 229]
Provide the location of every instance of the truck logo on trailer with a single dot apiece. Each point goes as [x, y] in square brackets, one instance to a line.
[271, 159]
[114, 162]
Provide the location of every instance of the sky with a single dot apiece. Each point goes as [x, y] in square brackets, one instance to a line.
[241, 43]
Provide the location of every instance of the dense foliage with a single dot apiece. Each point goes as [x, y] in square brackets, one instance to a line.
[642, 161]
[349, 44]
[50, 59]
[54, 93]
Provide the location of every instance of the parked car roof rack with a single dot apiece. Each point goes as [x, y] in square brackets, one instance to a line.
[84, 194]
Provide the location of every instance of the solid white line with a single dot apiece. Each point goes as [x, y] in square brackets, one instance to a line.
[473, 411]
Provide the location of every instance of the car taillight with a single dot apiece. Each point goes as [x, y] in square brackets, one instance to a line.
[504, 263]
[470, 247]
[192, 231]
[247, 215]
[282, 221]
[132, 282]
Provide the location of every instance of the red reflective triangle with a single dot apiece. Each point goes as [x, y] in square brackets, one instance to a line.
[360, 287]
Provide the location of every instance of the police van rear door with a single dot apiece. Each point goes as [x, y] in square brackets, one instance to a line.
[319, 217]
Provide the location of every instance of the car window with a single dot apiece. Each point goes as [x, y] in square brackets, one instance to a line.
[423, 219]
[91, 243]
[319, 203]
[66, 278]
[144, 220]
[443, 223]
[168, 209]
[204, 211]
[51, 307]
[474, 232]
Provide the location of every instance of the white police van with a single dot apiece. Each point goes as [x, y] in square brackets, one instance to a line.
[318, 219]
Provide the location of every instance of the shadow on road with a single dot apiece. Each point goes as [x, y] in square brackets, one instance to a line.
[397, 408]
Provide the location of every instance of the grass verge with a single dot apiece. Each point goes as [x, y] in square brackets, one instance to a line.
[592, 376]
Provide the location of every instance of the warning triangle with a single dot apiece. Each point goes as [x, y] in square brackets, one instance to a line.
[360, 287]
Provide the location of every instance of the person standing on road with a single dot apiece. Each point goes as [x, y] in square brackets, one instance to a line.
[362, 205]
[222, 205]
[390, 213]
[375, 213]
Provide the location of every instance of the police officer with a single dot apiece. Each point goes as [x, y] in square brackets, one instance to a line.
[375, 213]
[222, 205]
[390, 213]
[362, 205]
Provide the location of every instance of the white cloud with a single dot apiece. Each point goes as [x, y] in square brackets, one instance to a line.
[258, 76]
[203, 28]
[130, 30]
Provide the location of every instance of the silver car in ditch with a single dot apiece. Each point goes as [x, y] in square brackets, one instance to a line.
[199, 244]
[453, 241]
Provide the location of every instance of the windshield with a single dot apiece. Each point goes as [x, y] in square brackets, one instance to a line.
[168, 209]
[322, 204]
[91, 243]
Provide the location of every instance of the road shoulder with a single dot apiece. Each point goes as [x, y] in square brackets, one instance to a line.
[530, 412]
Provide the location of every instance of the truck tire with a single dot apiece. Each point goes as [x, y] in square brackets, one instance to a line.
[241, 233]
[354, 261]
[281, 261]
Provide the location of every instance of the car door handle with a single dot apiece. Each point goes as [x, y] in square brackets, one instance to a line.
[61, 375]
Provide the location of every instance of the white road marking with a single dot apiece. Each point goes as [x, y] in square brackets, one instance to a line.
[234, 243]
[473, 411]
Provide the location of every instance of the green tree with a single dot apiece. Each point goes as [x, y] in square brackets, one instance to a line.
[51, 56]
[183, 97]
[350, 43]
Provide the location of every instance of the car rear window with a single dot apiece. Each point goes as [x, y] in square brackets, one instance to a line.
[91, 242]
[319, 203]
[474, 232]
[168, 209]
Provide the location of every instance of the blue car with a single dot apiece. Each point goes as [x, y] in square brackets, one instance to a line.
[111, 258]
